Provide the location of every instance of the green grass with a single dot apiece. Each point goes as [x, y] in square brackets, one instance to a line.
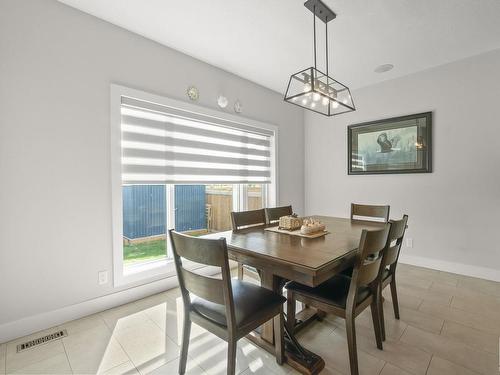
[144, 251]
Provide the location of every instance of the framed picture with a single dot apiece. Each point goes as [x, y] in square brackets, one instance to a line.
[394, 145]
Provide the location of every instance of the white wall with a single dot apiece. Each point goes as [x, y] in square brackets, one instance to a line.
[453, 212]
[56, 66]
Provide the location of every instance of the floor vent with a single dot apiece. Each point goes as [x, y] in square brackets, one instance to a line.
[42, 340]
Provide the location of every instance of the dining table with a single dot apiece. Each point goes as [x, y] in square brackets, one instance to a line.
[282, 257]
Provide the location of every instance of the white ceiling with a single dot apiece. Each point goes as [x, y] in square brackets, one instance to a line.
[267, 40]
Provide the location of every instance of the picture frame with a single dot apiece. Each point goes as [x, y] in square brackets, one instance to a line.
[391, 146]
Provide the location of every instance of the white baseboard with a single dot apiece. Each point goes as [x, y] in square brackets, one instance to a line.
[26, 326]
[458, 268]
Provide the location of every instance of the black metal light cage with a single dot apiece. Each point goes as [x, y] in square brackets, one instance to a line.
[312, 89]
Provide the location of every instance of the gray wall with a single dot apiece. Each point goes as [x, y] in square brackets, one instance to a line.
[454, 211]
[56, 66]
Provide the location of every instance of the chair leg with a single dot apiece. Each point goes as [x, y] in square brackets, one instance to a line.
[240, 271]
[351, 343]
[186, 332]
[381, 313]
[376, 321]
[279, 342]
[394, 294]
[231, 356]
[290, 311]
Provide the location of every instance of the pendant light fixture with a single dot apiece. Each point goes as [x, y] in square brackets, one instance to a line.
[312, 89]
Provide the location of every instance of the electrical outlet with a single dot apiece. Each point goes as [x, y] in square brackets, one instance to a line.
[102, 277]
[409, 242]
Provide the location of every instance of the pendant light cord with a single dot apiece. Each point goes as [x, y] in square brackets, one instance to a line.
[326, 38]
[314, 33]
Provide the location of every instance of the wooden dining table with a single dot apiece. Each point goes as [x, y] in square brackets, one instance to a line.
[281, 257]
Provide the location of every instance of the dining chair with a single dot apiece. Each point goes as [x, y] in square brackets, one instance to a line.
[346, 297]
[389, 264]
[245, 219]
[364, 212]
[273, 214]
[230, 309]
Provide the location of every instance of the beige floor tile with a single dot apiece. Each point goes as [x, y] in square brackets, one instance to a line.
[458, 291]
[472, 337]
[451, 350]
[441, 366]
[333, 349]
[483, 286]
[93, 350]
[410, 280]
[330, 371]
[257, 369]
[405, 356]
[124, 316]
[316, 330]
[262, 356]
[169, 315]
[83, 324]
[126, 368]
[437, 297]
[364, 325]
[172, 367]
[147, 345]
[173, 293]
[393, 370]
[484, 320]
[210, 353]
[418, 319]
[16, 361]
[410, 302]
[57, 364]
[439, 317]
[428, 274]
[471, 303]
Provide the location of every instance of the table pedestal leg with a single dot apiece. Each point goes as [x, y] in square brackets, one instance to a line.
[301, 359]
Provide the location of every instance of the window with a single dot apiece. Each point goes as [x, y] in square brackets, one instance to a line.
[176, 165]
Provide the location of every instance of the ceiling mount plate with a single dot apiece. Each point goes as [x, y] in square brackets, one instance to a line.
[322, 11]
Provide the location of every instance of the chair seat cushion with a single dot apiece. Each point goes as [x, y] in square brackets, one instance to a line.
[333, 291]
[251, 302]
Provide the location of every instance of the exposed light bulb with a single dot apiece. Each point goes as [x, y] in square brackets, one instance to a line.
[335, 104]
[325, 101]
[304, 101]
[313, 105]
[307, 87]
[316, 96]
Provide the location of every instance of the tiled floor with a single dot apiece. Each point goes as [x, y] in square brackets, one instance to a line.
[449, 324]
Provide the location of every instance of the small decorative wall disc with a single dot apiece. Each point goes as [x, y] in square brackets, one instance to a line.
[192, 93]
[222, 101]
[238, 107]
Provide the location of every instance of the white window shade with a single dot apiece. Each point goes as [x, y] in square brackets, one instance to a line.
[164, 145]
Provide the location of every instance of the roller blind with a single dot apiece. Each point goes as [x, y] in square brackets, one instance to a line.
[163, 145]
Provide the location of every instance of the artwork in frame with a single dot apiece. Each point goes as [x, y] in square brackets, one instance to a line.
[394, 145]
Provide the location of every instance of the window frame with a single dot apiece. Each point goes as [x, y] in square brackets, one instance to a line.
[164, 268]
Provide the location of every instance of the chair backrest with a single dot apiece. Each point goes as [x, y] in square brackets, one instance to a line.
[366, 212]
[248, 218]
[273, 214]
[369, 258]
[395, 240]
[210, 252]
